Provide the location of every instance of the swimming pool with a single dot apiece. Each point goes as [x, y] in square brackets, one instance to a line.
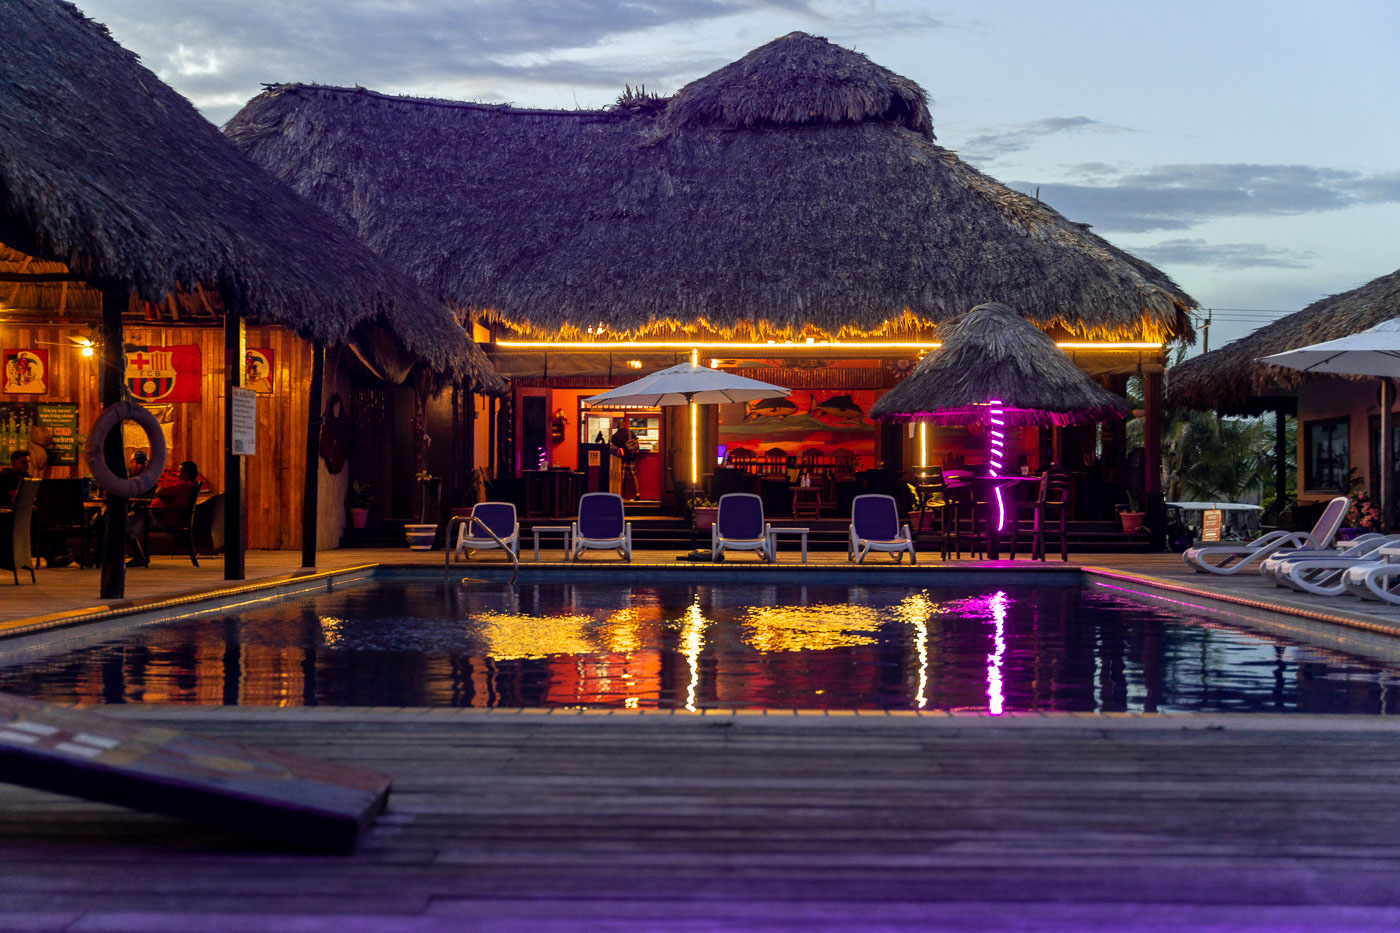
[723, 645]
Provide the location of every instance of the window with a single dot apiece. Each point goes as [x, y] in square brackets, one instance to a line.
[1327, 455]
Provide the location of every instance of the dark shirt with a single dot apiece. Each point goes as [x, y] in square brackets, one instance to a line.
[9, 484]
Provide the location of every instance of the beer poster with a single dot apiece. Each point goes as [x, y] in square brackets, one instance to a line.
[26, 372]
[164, 374]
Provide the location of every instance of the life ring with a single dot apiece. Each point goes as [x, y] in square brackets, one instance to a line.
[111, 417]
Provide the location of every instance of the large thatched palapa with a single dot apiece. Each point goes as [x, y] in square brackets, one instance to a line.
[108, 175]
[1230, 379]
[995, 354]
[795, 192]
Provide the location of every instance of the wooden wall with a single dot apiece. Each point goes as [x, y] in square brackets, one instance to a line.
[274, 473]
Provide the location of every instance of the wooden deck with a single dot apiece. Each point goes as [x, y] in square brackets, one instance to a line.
[509, 820]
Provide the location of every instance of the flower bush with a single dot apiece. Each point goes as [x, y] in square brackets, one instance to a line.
[1364, 513]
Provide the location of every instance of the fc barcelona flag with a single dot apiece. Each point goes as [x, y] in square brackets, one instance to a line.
[164, 374]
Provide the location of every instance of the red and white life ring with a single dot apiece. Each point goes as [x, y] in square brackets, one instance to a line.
[111, 417]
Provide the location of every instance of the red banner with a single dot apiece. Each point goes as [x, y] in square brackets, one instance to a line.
[164, 374]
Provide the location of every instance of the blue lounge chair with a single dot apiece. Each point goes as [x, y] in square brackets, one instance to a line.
[602, 523]
[875, 526]
[739, 526]
[497, 516]
[1231, 558]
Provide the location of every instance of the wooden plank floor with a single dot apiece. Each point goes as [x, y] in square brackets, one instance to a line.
[512, 820]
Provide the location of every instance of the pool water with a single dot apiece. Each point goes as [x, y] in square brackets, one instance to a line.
[722, 646]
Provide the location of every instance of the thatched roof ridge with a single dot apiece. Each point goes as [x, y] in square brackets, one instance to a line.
[106, 169]
[995, 353]
[798, 80]
[557, 223]
[1225, 380]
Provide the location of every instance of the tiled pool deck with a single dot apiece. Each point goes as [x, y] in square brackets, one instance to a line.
[564, 820]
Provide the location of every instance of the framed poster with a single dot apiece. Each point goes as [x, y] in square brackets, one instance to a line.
[257, 370]
[60, 419]
[26, 372]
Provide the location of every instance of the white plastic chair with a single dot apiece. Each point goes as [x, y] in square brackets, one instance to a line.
[602, 523]
[1232, 558]
[739, 526]
[1277, 564]
[875, 527]
[1376, 580]
[1326, 576]
[500, 518]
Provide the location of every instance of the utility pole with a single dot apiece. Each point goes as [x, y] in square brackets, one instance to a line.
[1205, 332]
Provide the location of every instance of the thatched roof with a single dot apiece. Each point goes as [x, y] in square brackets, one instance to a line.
[797, 191]
[1225, 380]
[994, 353]
[108, 171]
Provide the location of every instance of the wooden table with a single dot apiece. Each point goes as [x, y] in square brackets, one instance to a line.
[987, 486]
[806, 501]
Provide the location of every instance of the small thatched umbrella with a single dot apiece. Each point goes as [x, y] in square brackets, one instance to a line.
[994, 354]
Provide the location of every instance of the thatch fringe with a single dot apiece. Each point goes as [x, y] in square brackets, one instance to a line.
[107, 170]
[1225, 380]
[995, 354]
[557, 222]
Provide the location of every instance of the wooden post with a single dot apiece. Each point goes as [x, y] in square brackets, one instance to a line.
[113, 374]
[1152, 431]
[235, 471]
[311, 482]
[1280, 460]
[1385, 455]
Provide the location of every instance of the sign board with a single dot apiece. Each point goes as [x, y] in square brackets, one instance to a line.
[1210, 524]
[269, 793]
[61, 418]
[595, 458]
[244, 405]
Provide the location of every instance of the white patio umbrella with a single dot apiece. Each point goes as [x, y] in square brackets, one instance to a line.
[686, 383]
[689, 384]
[1372, 352]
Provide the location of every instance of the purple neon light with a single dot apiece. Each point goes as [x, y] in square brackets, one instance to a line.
[997, 445]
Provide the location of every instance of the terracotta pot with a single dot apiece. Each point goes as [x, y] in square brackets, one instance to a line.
[705, 517]
[358, 517]
[1132, 522]
[420, 537]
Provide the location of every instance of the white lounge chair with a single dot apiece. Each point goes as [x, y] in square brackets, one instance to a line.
[1326, 576]
[602, 524]
[1232, 558]
[497, 516]
[1277, 563]
[875, 527]
[1376, 580]
[739, 526]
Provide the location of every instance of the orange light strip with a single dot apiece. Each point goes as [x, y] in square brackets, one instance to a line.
[600, 346]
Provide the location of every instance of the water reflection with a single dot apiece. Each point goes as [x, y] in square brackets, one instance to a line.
[694, 647]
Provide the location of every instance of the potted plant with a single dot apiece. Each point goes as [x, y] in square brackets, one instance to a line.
[422, 534]
[1131, 517]
[703, 512]
[359, 501]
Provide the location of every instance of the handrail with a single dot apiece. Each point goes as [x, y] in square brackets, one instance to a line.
[447, 547]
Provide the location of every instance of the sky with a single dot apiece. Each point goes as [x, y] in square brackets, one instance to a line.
[1248, 148]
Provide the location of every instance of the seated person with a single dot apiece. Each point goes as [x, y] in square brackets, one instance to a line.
[170, 508]
[11, 475]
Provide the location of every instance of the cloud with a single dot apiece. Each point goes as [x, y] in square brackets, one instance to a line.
[414, 46]
[1196, 252]
[990, 146]
[1177, 197]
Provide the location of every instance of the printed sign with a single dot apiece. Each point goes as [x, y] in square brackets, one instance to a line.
[26, 372]
[164, 374]
[595, 458]
[244, 405]
[257, 370]
[1210, 524]
[59, 421]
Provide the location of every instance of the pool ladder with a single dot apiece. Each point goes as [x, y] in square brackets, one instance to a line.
[447, 549]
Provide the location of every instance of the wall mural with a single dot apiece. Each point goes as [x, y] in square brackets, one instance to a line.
[820, 418]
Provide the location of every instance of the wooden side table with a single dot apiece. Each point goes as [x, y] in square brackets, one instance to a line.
[806, 501]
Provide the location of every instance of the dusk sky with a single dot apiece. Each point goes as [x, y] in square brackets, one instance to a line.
[1249, 149]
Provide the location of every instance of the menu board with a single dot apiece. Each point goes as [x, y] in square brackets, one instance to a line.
[1210, 524]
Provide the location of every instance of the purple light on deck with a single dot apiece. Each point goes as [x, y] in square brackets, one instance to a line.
[997, 444]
